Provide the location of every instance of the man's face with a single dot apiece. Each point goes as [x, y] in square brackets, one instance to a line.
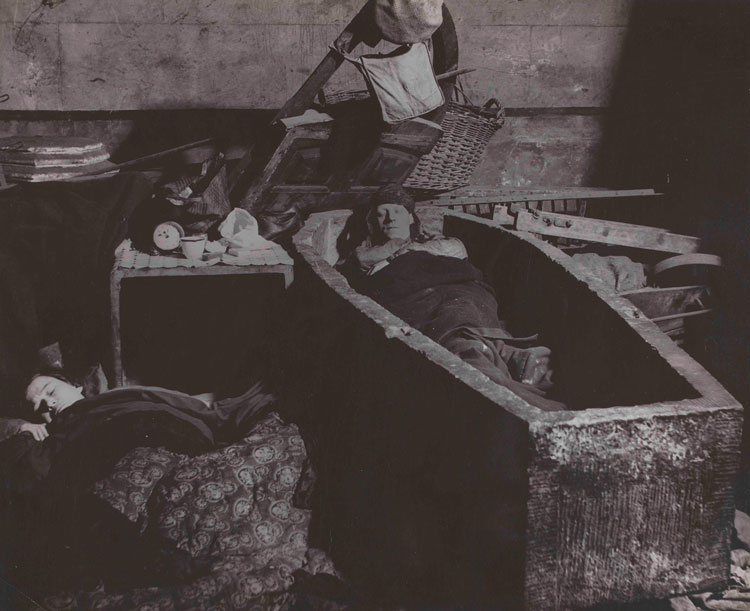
[51, 393]
[394, 221]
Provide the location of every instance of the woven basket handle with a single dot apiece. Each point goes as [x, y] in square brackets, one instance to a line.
[492, 108]
[494, 111]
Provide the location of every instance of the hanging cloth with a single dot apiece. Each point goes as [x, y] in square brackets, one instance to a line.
[403, 81]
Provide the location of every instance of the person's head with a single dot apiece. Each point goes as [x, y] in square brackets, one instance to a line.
[391, 215]
[49, 393]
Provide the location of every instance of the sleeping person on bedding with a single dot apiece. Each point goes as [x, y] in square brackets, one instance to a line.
[86, 435]
[429, 283]
[45, 504]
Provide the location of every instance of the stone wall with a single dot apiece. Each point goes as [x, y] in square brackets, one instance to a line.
[139, 54]
[86, 56]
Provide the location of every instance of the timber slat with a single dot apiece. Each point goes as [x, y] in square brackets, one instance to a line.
[605, 232]
[509, 196]
[655, 302]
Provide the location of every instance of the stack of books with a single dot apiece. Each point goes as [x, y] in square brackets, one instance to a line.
[45, 158]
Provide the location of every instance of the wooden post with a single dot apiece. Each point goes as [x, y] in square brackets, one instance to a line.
[353, 34]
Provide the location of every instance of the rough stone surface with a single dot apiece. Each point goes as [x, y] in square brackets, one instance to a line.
[261, 11]
[93, 55]
[29, 67]
[501, 59]
[31, 12]
[541, 150]
[575, 64]
[134, 54]
[543, 12]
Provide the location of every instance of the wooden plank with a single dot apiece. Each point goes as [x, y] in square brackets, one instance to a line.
[305, 95]
[605, 232]
[515, 197]
[489, 196]
[500, 215]
[319, 131]
[352, 35]
[300, 189]
[689, 259]
[655, 302]
[153, 157]
[680, 315]
[683, 603]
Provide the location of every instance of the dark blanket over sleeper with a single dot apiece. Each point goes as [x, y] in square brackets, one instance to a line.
[45, 496]
[89, 437]
[446, 299]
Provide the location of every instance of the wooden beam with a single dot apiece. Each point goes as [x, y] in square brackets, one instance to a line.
[305, 95]
[504, 197]
[352, 35]
[572, 191]
[153, 157]
[656, 302]
[452, 73]
[680, 315]
[687, 259]
[604, 232]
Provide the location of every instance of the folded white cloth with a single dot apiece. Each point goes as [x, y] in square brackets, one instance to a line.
[239, 231]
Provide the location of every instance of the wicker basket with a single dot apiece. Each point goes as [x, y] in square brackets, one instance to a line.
[466, 131]
[467, 128]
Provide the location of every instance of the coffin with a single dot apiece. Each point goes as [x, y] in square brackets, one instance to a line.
[443, 487]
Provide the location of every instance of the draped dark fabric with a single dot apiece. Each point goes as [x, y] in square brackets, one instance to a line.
[433, 293]
[89, 437]
[48, 513]
[446, 299]
[57, 243]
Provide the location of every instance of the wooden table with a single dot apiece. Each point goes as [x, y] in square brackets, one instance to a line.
[130, 263]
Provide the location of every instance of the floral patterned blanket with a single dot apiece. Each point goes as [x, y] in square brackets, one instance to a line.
[231, 509]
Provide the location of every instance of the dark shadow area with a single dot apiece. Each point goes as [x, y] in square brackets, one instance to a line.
[129, 134]
[157, 130]
[191, 333]
[679, 123]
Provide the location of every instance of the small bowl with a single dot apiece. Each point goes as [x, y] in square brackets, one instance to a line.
[193, 246]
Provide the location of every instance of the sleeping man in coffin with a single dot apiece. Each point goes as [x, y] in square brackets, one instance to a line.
[429, 283]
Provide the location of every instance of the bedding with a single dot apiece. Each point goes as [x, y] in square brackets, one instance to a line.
[446, 299]
[232, 509]
[147, 498]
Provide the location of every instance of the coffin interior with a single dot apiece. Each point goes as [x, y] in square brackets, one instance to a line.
[600, 360]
